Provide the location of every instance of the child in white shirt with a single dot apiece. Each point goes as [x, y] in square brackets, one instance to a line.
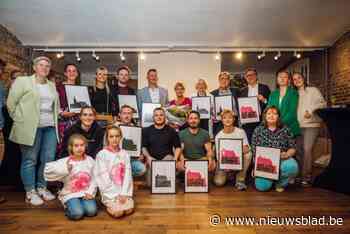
[76, 173]
[113, 175]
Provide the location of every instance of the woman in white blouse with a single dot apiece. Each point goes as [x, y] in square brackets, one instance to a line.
[310, 99]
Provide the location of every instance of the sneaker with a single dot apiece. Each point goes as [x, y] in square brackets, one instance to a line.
[2, 199]
[33, 198]
[292, 181]
[279, 189]
[241, 186]
[46, 194]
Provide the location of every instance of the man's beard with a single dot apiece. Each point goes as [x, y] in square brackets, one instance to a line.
[159, 124]
[193, 126]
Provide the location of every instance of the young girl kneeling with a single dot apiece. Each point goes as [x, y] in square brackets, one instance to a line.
[113, 175]
[76, 173]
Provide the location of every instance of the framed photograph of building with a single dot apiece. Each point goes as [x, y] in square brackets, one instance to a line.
[196, 176]
[131, 141]
[77, 97]
[202, 105]
[147, 113]
[130, 100]
[249, 110]
[267, 162]
[163, 176]
[222, 103]
[230, 154]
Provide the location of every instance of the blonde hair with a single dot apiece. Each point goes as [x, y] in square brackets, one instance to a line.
[228, 112]
[102, 68]
[179, 85]
[201, 80]
[73, 138]
[109, 128]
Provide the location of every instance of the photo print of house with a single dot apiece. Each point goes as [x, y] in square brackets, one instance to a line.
[230, 154]
[222, 103]
[131, 141]
[249, 110]
[77, 97]
[196, 176]
[202, 105]
[267, 162]
[130, 100]
[147, 113]
[163, 176]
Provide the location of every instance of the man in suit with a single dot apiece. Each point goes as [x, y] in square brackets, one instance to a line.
[152, 93]
[223, 90]
[121, 88]
[254, 88]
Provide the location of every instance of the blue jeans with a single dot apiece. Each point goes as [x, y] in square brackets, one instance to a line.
[289, 169]
[44, 148]
[77, 208]
[137, 167]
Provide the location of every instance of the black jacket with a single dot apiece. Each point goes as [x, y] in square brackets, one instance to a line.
[114, 97]
[94, 137]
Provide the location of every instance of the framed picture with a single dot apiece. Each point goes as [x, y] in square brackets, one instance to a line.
[147, 113]
[129, 100]
[230, 154]
[249, 109]
[196, 176]
[163, 175]
[202, 105]
[131, 141]
[222, 103]
[77, 97]
[267, 162]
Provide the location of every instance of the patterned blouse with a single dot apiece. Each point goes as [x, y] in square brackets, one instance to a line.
[280, 138]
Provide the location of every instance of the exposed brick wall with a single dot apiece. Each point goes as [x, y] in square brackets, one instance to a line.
[13, 53]
[339, 71]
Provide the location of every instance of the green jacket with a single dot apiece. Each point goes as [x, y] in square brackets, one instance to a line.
[23, 104]
[288, 108]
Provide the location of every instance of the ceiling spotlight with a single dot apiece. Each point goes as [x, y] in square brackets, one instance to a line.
[239, 55]
[217, 56]
[122, 57]
[261, 56]
[297, 54]
[142, 56]
[77, 56]
[60, 55]
[277, 56]
[95, 56]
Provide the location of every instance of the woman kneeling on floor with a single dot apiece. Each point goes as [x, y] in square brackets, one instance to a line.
[271, 133]
[113, 175]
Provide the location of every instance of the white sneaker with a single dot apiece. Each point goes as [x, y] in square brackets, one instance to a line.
[33, 198]
[46, 194]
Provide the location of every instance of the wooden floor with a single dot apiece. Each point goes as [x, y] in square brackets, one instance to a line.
[185, 213]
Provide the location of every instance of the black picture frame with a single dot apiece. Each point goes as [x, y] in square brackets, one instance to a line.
[77, 104]
[172, 163]
[202, 112]
[218, 158]
[139, 146]
[217, 115]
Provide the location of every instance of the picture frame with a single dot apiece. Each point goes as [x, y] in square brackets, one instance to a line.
[147, 113]
[77, 97]
[249, 109]
[131, 141]
[221, 103]
[130, 100]
[267, 162]
[202, 105]
[163, 177]
[196, 176]
[230, 154]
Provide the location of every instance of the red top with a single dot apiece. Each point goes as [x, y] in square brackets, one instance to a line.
[186, 101]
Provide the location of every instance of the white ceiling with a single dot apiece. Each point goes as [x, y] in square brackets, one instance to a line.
[142, 23]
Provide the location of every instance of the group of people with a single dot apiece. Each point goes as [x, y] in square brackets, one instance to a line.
[89, 155]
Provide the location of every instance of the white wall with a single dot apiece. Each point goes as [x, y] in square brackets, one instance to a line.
[186, 67]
